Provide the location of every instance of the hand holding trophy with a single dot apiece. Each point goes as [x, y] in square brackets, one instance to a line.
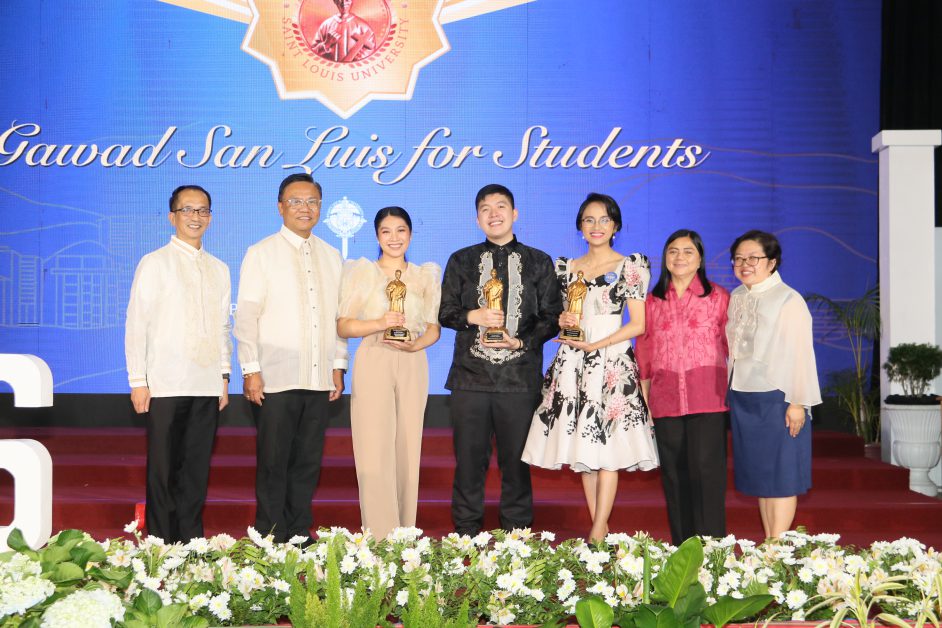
[492, 291]
[396, 293]
[575, 297]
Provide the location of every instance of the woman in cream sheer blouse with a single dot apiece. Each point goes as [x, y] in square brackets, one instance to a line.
[390, 377]
[773, 382]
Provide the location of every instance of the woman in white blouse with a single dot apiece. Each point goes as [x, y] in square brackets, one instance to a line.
[773, 382]
[390, 377]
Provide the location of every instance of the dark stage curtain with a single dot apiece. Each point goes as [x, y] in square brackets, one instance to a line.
[911, 73]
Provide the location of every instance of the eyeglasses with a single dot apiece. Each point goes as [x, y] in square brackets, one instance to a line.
[752, 260]
[604, 221]
[297, 203]
[202, 212]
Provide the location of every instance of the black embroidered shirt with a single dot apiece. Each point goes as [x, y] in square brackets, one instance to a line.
[531, 303]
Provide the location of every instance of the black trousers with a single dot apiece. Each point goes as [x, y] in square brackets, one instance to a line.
[180, 435]
[291, 427]
[476, 418]
[692, 449]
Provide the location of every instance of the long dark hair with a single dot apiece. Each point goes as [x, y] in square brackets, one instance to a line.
[660, 289]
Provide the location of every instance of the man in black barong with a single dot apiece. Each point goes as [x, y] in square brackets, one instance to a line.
[495, 383]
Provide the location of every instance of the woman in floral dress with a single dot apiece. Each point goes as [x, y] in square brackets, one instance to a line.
[593, 417]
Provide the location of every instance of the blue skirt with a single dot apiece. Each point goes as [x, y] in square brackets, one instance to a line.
[767, 461]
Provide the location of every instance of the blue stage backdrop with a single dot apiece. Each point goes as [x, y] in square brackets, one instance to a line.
[719, 116]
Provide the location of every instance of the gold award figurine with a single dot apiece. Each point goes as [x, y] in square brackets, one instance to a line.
[396, 293]
[575, 297]
[492, 291]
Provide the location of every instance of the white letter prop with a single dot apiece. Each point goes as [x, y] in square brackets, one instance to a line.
[30, 379]
[28, 461]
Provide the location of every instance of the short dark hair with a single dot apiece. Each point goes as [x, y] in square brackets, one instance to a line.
[298, 177]
[611, 209]
[394, 211]
[493, 188]
[183, 188]
[768, 242]
[660, 288]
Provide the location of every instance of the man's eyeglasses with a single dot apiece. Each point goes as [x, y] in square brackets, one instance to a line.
[297, 203]
[604, 221]
[752, 260]
[202, 212]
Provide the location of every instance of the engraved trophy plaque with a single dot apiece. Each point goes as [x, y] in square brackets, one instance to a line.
[575, 297]
[396, 293]
[492, 291]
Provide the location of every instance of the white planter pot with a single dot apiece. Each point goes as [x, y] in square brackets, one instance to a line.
[916, 442]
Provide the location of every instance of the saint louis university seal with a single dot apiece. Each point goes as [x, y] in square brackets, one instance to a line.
[345, 53]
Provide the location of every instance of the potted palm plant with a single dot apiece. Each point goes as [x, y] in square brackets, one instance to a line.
[860, 321]
[913, 417]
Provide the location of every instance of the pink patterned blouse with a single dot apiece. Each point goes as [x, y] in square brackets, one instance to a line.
[683, 351]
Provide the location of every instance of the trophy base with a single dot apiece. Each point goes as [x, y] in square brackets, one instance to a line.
[494, 334]
[399, 334]
[572, 333]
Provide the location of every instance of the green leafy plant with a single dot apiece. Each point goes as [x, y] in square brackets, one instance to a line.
[71, 561]
[325, 604]
[427, 613]
[594, 612]
[349, 579]
[66, 557]
[682, 599]
[860, 602]
[914, 366]
[862, 404]
[860, 320]
[148, 611]
[930, 607]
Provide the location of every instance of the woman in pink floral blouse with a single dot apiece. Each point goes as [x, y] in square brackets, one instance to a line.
[682, 358]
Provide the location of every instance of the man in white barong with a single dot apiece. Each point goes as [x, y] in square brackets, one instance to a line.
[179, 351]
[292, 360]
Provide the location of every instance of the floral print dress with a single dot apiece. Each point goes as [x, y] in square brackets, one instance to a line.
[592, 415]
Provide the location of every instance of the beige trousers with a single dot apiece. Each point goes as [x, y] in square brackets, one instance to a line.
[387, 411]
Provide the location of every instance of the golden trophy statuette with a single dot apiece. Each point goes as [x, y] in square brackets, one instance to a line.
[492, 291]
[575, 297]
[396, 293]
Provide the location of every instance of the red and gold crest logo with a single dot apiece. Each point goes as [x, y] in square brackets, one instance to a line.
[345, 53]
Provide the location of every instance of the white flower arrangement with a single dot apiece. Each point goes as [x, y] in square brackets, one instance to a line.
[21, 586]
[502, 576]
[91, 609]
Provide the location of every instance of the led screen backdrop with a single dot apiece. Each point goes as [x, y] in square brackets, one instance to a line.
[718, 116]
